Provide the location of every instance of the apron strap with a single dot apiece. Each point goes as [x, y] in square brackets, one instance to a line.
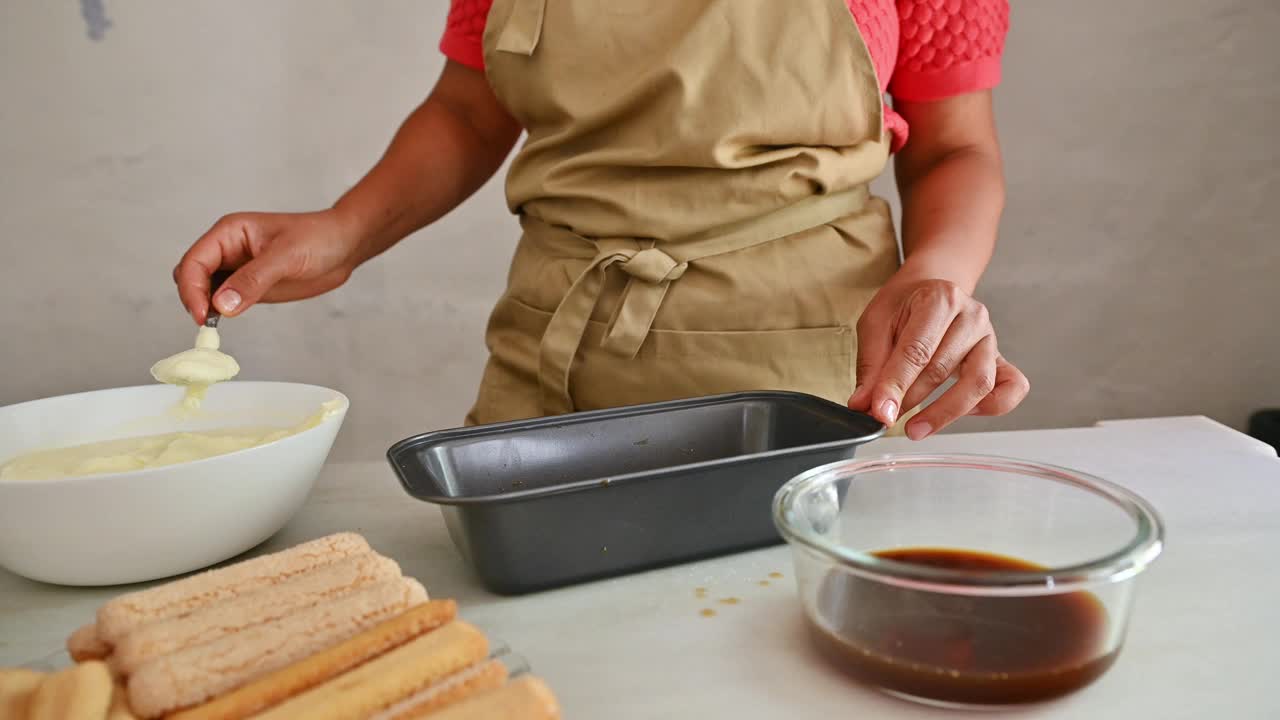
[523, 28]
[651, 270]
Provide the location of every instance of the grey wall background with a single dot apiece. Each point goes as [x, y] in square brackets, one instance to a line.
[1138, 272]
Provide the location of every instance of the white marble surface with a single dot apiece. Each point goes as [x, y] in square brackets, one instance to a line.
[1202, 643]
[1139, 149]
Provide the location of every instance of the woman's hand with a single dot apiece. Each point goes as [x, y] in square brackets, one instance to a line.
[924, 327]
[276, 257]
[445, 150]
[913, 337]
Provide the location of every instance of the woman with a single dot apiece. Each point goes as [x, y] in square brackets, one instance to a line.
[693, 195]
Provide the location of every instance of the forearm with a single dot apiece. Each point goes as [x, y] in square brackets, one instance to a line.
[950, 215]
[446, 149]
[951, 181]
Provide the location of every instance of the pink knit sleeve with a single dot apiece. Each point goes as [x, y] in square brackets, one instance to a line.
[948, 47]
[463, 39]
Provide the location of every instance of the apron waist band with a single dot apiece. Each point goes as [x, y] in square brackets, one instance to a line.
[651, 268]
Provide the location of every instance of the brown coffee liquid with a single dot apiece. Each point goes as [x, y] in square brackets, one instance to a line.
[961, 649]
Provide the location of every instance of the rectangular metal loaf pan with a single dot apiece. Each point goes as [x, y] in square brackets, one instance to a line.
[536, 504]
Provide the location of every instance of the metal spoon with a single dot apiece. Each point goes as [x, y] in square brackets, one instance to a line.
[212, 317]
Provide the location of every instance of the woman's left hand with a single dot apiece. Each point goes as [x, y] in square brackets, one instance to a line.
[913, 337]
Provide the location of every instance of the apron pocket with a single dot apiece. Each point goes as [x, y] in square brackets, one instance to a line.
[675, 364]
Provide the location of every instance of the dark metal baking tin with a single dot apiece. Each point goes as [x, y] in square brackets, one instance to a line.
[536, 504]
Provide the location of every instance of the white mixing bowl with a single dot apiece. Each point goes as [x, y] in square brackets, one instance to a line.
[142, 525]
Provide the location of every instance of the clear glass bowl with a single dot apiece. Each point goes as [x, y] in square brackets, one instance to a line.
[963, 579]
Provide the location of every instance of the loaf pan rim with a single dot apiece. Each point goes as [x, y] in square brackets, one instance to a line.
[600, 483]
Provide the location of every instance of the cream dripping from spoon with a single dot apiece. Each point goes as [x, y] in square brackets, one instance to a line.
[198, 368]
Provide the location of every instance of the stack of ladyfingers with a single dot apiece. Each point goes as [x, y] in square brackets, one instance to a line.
[84, 690]
[326, 629]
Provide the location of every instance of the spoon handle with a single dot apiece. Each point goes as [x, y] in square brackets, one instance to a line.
[213, 316]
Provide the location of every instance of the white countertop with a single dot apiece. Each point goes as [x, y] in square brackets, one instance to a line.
[1203, 642]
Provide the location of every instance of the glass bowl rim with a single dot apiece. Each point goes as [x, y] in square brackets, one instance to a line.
[1117, 566]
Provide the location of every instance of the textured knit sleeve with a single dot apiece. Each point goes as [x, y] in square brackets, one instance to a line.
[463, 39]
[948, 47]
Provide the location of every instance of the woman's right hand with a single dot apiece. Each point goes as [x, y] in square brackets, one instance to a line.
[461, 132]
[276, 257]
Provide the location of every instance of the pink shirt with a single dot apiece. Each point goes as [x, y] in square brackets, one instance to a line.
[922, 49]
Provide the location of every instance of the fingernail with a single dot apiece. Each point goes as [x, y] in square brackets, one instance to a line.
[890, 410]
[919, 431]
[227, 301]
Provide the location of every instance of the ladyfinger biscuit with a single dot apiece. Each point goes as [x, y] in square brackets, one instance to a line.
[17, 686]
[192, 676]
[526, 698]
[286, 682]
[113, 664]
[119, 709]
[263, 605]
[80, 691]
[127, 612]
[84, 644]
[388, 678]
[478, 678]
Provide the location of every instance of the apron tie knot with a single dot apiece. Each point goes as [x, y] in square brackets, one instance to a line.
[653, 266]
[650, 271]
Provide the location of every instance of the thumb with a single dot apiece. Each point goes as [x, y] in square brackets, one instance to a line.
[251, 282]
[875, 343]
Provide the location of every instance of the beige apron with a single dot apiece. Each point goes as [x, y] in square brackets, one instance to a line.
[693, 194]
